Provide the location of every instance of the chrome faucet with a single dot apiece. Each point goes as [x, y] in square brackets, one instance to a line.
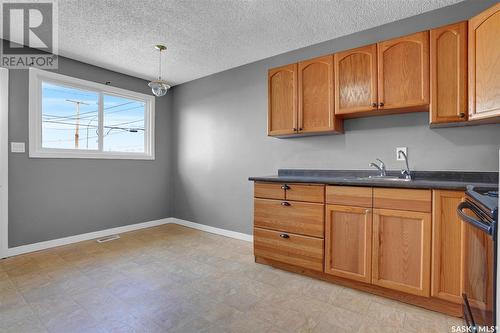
[380, 168]
[405, 172]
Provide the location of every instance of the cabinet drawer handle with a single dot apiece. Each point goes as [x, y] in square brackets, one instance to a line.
[285, 187]
[284, 236]
[285, 203]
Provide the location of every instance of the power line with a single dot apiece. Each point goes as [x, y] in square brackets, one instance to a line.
[93, 116]
[94, 111]
[88, 125]
[90, 137]
[94, 126]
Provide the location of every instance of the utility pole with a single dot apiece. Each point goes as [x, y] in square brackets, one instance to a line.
[77, 127]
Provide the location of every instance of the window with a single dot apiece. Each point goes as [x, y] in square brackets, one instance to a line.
[73, 118]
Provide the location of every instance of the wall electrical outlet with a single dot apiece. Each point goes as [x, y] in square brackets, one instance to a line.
[400, 157]
[17, 147]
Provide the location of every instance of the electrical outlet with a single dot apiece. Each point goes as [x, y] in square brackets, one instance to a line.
[17, 147]
[399, 157]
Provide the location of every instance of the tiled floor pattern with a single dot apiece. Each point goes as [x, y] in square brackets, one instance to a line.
[174, 279]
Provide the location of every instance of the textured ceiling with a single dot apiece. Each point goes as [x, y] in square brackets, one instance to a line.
[208, 36]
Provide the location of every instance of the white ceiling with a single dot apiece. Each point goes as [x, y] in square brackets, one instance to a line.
[208, 36]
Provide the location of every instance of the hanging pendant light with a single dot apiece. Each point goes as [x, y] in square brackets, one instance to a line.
[159, 87]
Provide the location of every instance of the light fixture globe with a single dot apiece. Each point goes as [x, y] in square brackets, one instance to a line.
[159, 87]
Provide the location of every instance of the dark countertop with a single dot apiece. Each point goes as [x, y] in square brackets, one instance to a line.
[449, 180]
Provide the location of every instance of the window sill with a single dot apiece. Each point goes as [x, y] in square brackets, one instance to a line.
[92, 155]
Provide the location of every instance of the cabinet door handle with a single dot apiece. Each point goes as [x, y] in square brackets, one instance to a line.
[285, 187]
[374, 105]
[381, 104]
[295, 129]
[300, 128]
[285, 203]
[284, 236]
[461, 115]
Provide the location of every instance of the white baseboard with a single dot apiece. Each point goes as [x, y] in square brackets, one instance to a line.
[212, 230]
[14, 251]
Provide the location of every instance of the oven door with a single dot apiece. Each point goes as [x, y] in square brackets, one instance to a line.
[479, 265]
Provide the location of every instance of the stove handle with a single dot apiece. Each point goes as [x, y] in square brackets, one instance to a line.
[477, 223]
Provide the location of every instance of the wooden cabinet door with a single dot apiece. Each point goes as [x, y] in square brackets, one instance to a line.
[356, 80]
[348, 242]
[401, 250]
[447, 255]
[448, 46]
[403, 72]
[484, 64]
[282, 91]
[316, 109]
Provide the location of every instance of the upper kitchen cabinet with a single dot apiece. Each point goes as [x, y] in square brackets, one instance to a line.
[484, 64]
[356, 81]
[301, 99]
[403, 72]
[448, 46]
[282, 90]
[316, 100]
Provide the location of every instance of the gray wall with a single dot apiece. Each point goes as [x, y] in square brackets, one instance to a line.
[54, 198]
[220, 121]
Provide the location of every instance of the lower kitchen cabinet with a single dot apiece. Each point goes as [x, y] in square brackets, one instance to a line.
[348, 233]
[288, 248]
[401, 250]
[459, 248]
[447, 237]
[404, 244]
[303, 218]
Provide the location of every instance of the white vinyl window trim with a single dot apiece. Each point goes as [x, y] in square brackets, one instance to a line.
[36, 150]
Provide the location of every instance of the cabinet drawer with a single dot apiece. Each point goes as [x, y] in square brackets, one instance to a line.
[269, 190]
[349, 196]
[402, 199]
[302, 251]
[305, 192]
[290, 216]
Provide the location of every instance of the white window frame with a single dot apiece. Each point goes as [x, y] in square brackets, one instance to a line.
[37, 76]
[4, 162]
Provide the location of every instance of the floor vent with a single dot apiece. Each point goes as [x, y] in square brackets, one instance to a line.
[108, 238]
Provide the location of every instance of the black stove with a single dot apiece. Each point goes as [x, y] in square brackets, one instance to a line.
[479, 211]
[485, 198]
